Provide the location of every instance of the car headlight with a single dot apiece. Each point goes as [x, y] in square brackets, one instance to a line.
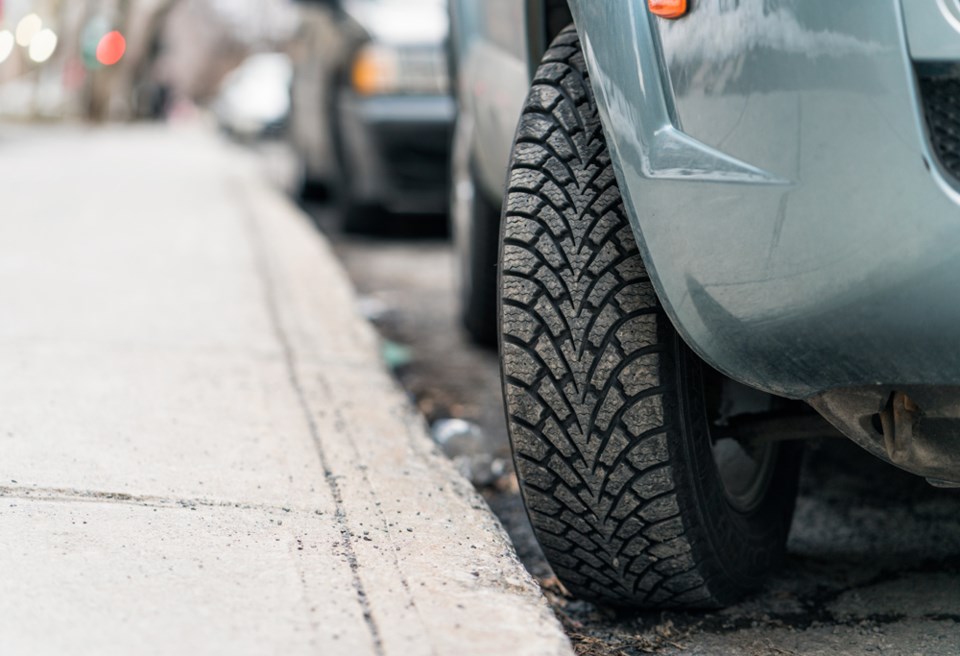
[382, 70]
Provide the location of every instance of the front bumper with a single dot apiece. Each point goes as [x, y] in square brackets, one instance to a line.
[397, 150]
[801, 232]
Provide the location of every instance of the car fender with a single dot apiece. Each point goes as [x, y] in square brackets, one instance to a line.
[795, 224]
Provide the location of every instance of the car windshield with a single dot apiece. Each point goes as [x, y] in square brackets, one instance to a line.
[401, 21]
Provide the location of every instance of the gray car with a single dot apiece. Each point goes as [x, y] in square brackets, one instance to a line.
[721, 221]
[372, 112]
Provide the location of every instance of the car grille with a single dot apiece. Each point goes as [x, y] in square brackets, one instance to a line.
[941, 102]
[419, 165]
[423, 70]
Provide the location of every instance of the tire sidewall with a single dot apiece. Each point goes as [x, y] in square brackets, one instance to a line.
[745, 546]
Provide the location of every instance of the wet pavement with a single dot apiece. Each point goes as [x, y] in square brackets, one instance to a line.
[873, 562]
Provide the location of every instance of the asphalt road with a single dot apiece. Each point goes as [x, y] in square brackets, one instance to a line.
[874, 554]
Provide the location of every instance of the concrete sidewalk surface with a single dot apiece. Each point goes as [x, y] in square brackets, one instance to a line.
[200, 450]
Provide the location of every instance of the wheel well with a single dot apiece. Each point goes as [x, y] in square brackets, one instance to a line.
[545, 20]
[556, 16]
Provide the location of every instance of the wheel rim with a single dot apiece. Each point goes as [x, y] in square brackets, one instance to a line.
[745, 468]
[745, 471]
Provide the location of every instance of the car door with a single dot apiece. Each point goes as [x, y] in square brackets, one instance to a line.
[494, 80]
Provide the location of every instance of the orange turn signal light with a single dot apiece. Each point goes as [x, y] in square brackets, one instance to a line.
[367, 73]
[667, 8]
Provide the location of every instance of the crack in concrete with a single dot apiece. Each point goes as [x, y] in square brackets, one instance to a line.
[384, 524]
[269, 291]
[77, 495]
[199, 350]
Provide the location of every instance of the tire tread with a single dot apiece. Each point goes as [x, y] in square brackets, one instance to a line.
[586, 401]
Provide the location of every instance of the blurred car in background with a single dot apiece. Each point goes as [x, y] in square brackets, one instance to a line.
[254, 98]
[371, 96]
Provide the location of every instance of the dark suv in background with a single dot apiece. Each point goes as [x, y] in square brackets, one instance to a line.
[372, 114]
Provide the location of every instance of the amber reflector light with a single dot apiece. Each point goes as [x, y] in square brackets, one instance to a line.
[668, 8]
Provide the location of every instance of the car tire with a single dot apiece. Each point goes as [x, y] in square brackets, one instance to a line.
[607, 408]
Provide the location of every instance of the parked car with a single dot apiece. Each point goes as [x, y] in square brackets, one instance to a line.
[371, 95]
[712, 222]
[254, 98]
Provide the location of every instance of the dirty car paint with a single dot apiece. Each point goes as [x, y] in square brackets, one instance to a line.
[774, 160]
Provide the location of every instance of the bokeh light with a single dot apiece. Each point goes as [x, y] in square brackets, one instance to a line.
[111, 48]
[42, 45]
[28, 27]
[6, 44]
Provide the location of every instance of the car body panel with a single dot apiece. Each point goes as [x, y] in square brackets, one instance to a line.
[773, 158]
[933, 29]
[774, 161]
[493, 79]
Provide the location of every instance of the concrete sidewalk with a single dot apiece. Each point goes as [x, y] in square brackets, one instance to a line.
[200, 451]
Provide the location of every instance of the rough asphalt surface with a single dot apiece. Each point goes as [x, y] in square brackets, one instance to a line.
[873, 561]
